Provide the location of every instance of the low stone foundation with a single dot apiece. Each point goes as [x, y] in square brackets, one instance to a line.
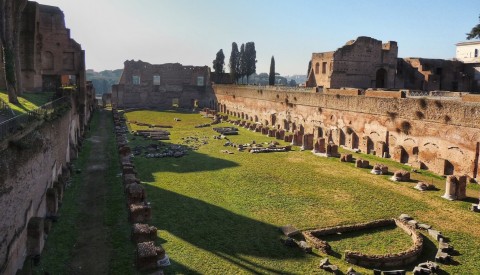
[372, 261]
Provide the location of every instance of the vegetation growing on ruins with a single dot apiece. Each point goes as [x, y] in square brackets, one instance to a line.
[219, 62]
[219, 213]
[27, 101]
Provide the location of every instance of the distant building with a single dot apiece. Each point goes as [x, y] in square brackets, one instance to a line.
[367, 63]
[143, 85]
[469, 53]
[361, 63]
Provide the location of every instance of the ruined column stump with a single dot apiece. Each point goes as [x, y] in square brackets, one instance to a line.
[143, 233]
[35, 236]
[147, 255]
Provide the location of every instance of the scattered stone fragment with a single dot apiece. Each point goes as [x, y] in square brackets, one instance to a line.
[405, 217]
[435, 234]
[226, 152]
[289, 230]
[379, 169]
[401, 175]
[424, 186]
[475, 207]
[177, 119]
[360, 163]
[432, 266]
[289, 242]
[442, 257]
[424, 226]
[445, 247]
[346, 158]
[391, 272]
[327, 266]
[421, 271]
[413, 223]
[305, 247]
[351, 271]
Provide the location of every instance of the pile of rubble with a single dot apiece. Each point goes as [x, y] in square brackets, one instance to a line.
[226, 131]
[149, 125]
[254, 148]
[445, 250]
[153, 134]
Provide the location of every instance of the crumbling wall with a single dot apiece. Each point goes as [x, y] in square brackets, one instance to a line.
[427, 129]
[29, 168]
[144, 85]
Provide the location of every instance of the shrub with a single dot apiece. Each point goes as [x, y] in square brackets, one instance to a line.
[392, 115]
[439, 104]
[447, 118]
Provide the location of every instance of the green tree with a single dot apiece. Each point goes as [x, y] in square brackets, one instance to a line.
[271, 76]
[219, 62]
[242, 63]
[475, 32]
[250, 59]
[292, 83]
[233, 62]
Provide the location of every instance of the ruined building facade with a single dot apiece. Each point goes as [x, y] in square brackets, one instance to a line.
[48, 53]
[361, 63]
[367, 63]
[143, 85]
[33, 177]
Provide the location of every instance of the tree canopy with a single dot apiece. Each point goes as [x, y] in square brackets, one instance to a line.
[475, 32]
[233, 62]
[250, 59]
[219, 62]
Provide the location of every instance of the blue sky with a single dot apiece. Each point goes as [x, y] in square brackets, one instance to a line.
[192, 31]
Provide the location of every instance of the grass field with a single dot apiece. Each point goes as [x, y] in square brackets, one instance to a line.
[27, 101]
[219, 213]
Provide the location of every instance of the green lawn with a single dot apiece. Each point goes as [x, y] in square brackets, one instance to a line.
[28, 101]
[219, 213]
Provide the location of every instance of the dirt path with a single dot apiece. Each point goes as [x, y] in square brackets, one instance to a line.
[91, 253]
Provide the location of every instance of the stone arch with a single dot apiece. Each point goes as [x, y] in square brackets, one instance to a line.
[273, 119]
[256, 119]
[381, 78]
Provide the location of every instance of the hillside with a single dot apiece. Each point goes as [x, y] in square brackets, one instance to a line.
[103, 81]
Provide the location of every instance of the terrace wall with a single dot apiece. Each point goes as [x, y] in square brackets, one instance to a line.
[29, 168]
[436, 134]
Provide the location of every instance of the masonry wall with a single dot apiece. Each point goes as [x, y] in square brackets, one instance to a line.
[177, 84]
[29, 167]
[439, 135]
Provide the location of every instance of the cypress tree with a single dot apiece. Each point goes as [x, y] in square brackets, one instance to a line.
[271, 76]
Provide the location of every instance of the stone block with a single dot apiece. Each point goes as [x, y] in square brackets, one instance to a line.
[140, 213]
[289, 230]
[442, 257]
[135, 193]
[401, 175]
[147, 255]
[35, 236]
[346, 158]
[143, 233]
[380, 169]
[332, 150]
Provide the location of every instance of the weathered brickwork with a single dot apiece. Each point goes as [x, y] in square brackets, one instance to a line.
[367, 63]
[47, 51]
[144, 85]
[439, 135]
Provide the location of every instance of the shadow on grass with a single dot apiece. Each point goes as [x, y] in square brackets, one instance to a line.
[193, 162]
[229, 236]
